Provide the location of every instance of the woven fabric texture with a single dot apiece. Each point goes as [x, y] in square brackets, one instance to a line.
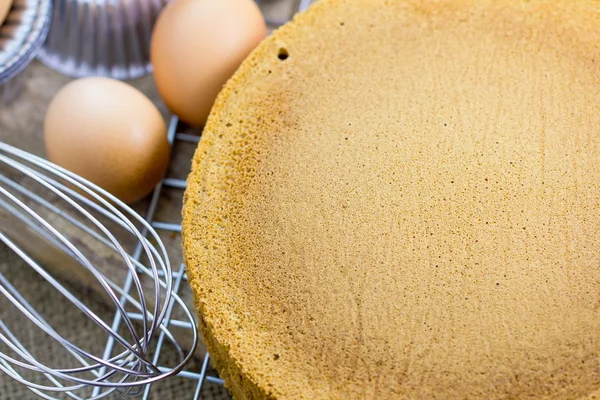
[78, 329]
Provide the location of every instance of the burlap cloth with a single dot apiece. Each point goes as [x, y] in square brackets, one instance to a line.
[80, 330]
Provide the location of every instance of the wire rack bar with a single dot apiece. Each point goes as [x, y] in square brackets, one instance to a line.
[161, 338]
[179, 277]
[202, 373]
[166, 226]
[195, 376]
[118, 318]
[175, 183]
[173, 322]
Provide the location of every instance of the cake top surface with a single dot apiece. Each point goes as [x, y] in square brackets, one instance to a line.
[401, 199]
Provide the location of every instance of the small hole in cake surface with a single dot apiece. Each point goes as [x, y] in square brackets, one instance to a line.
[283, 54]
[275, 357]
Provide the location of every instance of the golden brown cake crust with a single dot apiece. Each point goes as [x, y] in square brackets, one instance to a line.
[401, 199]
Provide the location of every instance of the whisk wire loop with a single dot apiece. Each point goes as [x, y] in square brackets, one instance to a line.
[67, 212]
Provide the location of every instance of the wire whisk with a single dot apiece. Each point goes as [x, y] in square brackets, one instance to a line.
[49, 215]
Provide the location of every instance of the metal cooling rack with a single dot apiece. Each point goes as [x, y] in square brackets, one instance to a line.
[175, 134]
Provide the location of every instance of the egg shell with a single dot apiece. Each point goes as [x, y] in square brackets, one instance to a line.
[196, 47]
[109, 133]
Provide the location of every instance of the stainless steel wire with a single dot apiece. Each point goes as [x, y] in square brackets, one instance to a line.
[90, 211]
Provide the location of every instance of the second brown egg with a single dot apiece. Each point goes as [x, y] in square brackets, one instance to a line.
[196, 47]
[109, 133]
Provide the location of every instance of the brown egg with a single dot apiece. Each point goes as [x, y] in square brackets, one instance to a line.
[109, 133]
[196, 47]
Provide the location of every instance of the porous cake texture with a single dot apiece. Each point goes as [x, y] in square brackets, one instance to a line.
[401, 200]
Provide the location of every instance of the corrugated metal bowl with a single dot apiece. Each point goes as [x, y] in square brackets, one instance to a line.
[21, 37]
[101, 37]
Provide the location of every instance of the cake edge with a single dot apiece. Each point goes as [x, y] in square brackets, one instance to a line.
[240, 385]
